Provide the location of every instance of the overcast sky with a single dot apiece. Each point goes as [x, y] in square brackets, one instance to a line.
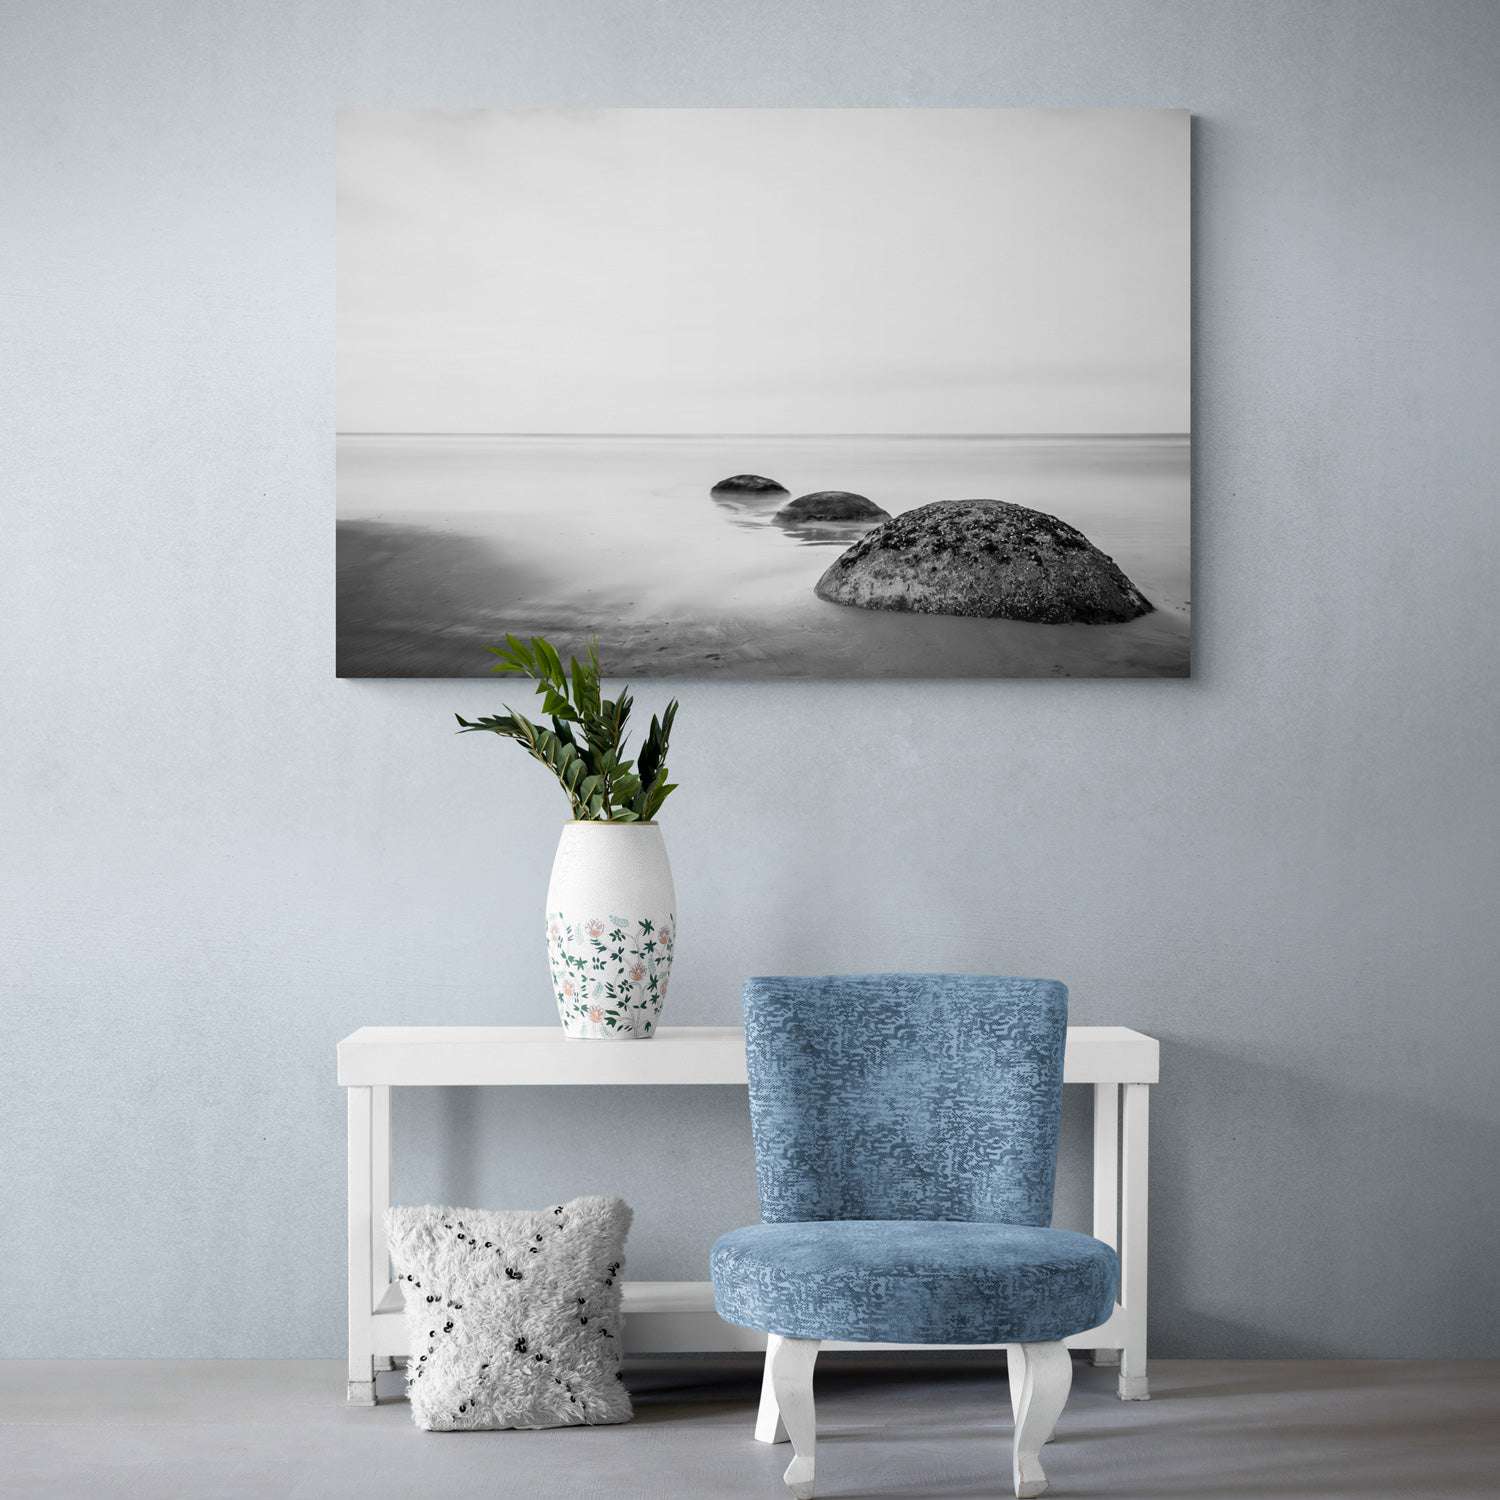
[763, 271]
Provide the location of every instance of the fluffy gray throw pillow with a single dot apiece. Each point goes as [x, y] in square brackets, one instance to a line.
[513, 1318]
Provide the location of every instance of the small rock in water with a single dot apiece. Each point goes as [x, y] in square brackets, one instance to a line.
[749, 484]
[986, 558]
[830, 505]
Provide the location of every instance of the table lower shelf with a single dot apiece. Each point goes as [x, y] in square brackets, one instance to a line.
[678, 1317]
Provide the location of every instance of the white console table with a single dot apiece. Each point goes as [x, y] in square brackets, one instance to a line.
[678, 1316]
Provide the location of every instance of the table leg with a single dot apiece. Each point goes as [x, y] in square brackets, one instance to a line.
[361, 1204]
[1107, 1181]
[1134, 1184]
[380, 1199]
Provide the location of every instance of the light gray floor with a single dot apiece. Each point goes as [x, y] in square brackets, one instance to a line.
[916, 1426]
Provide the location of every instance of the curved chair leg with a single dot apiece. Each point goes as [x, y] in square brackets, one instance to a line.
[769, 1428]
[1041, 1375]
[791, 1362]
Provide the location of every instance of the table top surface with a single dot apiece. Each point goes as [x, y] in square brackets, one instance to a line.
[531, 1055]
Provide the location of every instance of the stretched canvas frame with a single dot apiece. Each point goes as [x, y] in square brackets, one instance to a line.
[810, 393]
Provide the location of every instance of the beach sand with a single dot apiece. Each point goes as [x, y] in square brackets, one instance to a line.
[445, 545]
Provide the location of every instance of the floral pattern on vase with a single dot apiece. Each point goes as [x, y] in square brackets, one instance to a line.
[609, 972]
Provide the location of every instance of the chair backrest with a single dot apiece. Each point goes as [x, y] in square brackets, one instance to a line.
[906, 1096]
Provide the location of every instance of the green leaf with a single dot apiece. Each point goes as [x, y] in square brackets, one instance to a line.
[514, 657]
[659, 794]
[591, 765]
[654, 747]
[551, 662]
[494, 725]
[509, 661]
[582, 695]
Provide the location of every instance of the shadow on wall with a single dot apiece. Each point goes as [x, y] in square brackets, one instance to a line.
[1276, 1378]
[681, 1157]
[466, 1139]
[1306, 1244]
[1297, 1250]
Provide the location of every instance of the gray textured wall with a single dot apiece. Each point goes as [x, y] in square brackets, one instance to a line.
[217, 859]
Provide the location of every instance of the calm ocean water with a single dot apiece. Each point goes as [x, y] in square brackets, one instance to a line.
[447, 542]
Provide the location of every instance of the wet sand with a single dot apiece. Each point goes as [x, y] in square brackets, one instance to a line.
[417, 602]
[463, 540]
[414, 602]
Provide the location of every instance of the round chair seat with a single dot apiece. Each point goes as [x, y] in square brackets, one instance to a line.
[906, 1281]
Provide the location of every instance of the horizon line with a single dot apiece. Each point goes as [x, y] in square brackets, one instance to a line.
[739, 436]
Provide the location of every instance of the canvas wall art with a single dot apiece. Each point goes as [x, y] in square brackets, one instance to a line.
[761, 393]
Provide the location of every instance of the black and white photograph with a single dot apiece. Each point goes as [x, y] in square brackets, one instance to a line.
[819, 393]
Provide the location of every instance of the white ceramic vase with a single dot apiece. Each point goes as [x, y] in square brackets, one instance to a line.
[611, 926]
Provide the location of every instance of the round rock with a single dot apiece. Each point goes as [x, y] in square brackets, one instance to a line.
[987, 558]
[749, 484]
[830, 505]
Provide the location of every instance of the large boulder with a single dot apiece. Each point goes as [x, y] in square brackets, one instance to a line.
[983, 557]
[830, 505]
[749, 484]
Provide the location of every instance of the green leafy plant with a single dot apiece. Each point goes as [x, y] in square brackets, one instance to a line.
[585, 745]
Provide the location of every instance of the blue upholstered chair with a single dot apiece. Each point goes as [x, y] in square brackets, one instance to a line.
[905, 1147]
